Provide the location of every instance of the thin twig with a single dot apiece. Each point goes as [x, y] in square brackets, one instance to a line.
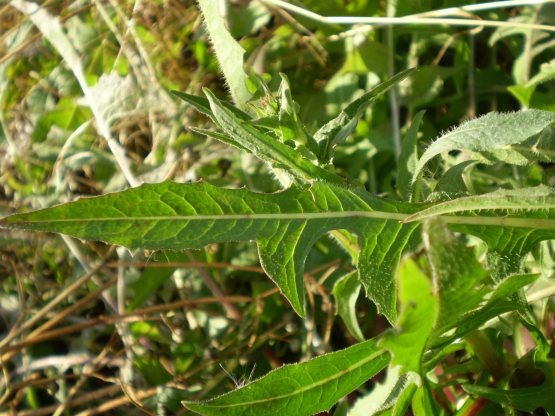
[232, 311]
[51, 305]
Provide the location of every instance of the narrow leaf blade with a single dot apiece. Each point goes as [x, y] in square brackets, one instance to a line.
[345, 292]
[228, 51]
[337, 130]
[301, 389]
[540, 198]
[408, 158]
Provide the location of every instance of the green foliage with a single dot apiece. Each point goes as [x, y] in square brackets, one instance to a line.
[455, 253]
[419, 310]
[346, 291]
[227, 50]
[285, 226]
[302, 389]
[482, 136]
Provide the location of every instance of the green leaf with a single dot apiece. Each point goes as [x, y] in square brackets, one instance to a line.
[202, 105]
[524, 399]
[497, 303]
[291, 127]
[153, 370]
[337, 130]
[528, 207]
[539, 148]
[228, 51]
[408, 158]
[404, 400]
[457, 273]
[285, 225]
[545, 74]
[219, 136]
[423, 403]
[451, 182]
[385, 395]
[346, 291]
[419, 308]
[483, 134]
[66, 115]
[265, 147]
[301, 389]
[511, 285]
[153, 277]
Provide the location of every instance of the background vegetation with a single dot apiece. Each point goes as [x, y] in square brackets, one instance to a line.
[85, 110]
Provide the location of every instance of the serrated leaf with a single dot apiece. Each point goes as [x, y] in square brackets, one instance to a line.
[345, 292]
[265, 147]
[285, 225]
[408, 158]
[483, 134]
[419, 308]
[301, 389]
[228, 51]
[337, 130]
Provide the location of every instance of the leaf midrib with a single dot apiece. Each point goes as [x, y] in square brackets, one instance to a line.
[230, 217]
[305, 388]
[516, 222]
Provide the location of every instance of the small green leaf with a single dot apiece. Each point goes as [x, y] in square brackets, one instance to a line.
[153, 277]
[291, 127]
[202, 105]
[265, 147]
[301, 389]
[408, 158]
[419, 309]
[346, 291]
[496, 304]
[545, 74]
[457, 273]
[219, 136]
[451, 183]
[510, 285]
[337, 130]
[228, 51]
[385, 395]
[423, 403]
